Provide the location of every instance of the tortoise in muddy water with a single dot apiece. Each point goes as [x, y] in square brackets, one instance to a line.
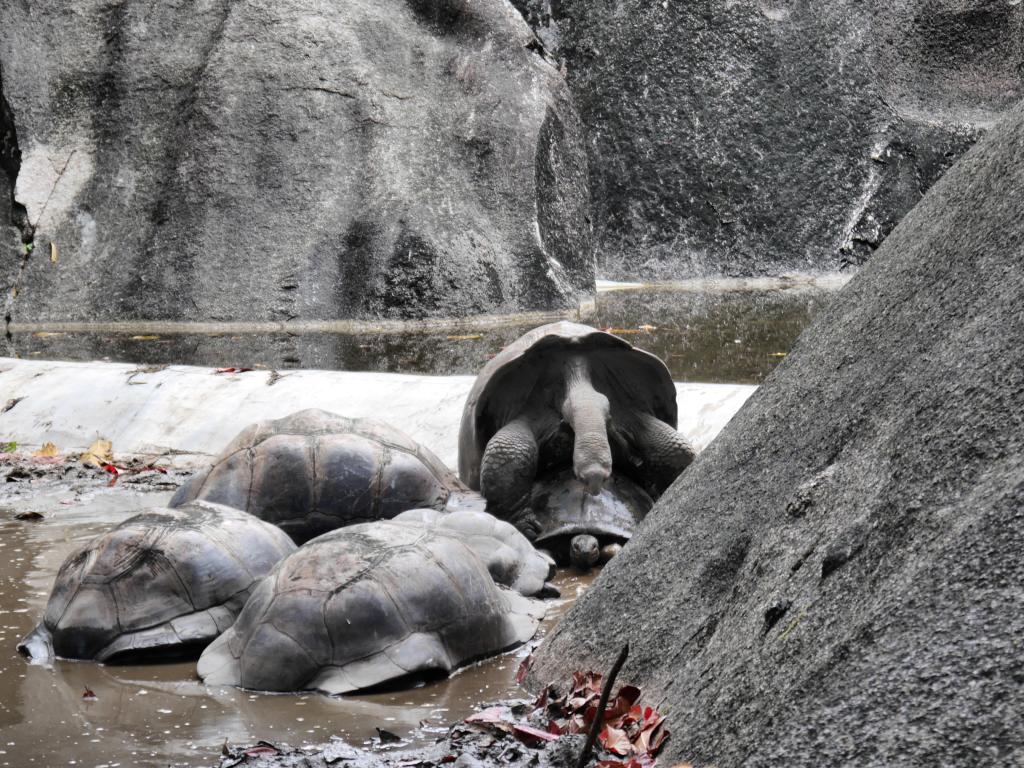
[162, 584]
[568, 395]
[510, 558]
[314, 471]
[366, 605]
[579, 528]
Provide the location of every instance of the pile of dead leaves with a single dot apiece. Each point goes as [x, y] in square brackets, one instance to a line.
[633, 734]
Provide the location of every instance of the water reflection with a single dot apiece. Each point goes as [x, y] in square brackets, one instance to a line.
[726, 336]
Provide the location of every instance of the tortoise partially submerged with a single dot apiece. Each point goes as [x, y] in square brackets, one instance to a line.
[568, 395]
[561, 510]
[510, 558]
[314, 471]
[162, 584]
[366, 605]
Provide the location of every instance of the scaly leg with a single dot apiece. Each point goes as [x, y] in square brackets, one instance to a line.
[508, 468]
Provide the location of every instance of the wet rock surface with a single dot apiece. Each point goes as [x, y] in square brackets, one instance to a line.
[836, 580]
[752, 137]
[271, 161]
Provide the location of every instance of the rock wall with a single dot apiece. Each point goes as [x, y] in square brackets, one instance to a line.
[10, 216]
[762, 136]
[837, 579]
[278, 159]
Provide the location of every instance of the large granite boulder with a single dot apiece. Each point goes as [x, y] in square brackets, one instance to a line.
[280, 159]
[838, 579]
[11, 250]
[760, 136]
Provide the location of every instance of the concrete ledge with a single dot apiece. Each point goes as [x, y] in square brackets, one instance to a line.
[188, 414]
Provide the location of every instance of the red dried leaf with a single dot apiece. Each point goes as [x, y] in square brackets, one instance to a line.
[491, 716]
[448, 759]
[541, 701]
[633, 762]
[615, 741]
[232, 370]
[88, 695]
[530, 736]
[653, 736]
[524, 668]
[262, 749]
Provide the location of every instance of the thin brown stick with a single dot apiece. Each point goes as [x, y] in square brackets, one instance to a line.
[595, 727]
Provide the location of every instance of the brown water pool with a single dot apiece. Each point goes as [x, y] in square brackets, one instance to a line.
[161, 715]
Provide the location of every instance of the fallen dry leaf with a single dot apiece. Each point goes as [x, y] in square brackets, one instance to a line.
[88, 695]
[466, 337]
[145, 337]
[524, 669]
[232, 370]
[32, 517]
[54, 252]
[48, 450]
[622, 331]
[532, 737]
[99, 453]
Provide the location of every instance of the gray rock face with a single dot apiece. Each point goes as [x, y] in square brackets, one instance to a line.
[10, 162]
[760, 136]
[269, 160]
[837, 579]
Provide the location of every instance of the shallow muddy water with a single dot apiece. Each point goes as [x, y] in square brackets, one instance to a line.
[161, 715]
[719, 332]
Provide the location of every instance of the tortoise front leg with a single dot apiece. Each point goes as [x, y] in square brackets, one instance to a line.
[509, 467]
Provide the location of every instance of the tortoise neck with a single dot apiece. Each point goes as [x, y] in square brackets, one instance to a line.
[586, 410]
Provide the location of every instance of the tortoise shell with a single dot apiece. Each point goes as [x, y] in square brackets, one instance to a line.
[314, 471]
[162, 583]
[509, 556]
[366, 605]
[629, 377]
[561, 508]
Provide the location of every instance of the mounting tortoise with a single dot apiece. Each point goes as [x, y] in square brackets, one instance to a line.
[365, 605]
[314, 471]
[568, 395]
[162, 584]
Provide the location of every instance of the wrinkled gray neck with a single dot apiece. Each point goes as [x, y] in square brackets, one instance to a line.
[586, 411]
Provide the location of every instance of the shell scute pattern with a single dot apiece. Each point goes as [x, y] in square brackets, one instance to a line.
[509, 556]
[375, 602]
[159, 581]
[314, 471]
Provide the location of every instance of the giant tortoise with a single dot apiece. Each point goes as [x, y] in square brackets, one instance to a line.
[510, 558]
[579, 528]
[314, 471]
[365, 605]
[162, 584]
[568, 395]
